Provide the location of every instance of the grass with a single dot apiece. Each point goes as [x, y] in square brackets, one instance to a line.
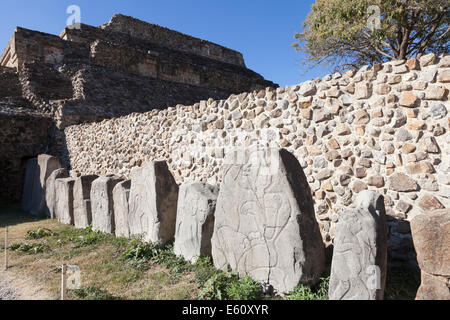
[118, 268]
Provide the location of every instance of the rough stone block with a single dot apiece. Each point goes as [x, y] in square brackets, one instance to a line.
[102, 203]
[64, 200]
[153, 202]
[358, 269]
[46, 164]
[50, 190]
[195, 220]
[121, 194]
[265, 224]
[82, 211]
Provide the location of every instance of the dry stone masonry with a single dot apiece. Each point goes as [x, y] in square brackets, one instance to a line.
[351, 132]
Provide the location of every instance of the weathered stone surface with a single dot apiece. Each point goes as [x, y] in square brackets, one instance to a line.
[265, 225]
[195, 220]
[429, 203]
[50, 190]
[403, 183]
[358, 270]
[102, 203]
[431, 236]
[30, 175]
[153, 202]
[46, 165]
[121, 195]
[82, 210]
[64, 200]
[408, 99]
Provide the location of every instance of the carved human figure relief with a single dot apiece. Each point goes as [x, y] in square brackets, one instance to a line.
[265, 225]
[358, 270]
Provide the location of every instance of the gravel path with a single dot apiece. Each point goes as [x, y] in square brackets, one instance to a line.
[6, 293]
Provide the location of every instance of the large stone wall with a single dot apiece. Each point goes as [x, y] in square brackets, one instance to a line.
[23, 135]
[383, 128]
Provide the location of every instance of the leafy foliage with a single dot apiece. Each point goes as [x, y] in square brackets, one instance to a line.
[29, 248]
[93, 293]
[352, 33]
[39, 233]
[303, 292]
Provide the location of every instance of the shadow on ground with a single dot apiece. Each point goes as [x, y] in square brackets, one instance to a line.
[11, 214]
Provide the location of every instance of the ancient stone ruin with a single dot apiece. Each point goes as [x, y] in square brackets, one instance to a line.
[147, 122]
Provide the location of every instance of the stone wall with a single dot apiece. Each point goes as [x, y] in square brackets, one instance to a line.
[23, 135]
[383, 128]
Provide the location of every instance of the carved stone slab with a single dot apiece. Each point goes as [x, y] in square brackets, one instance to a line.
[153, 202]
[195, 220]
[265, 224]
[50, 191]
[64, 200]
[358, 270]
[121, 194]
[46, 164]
[82, 211]
[102, 203]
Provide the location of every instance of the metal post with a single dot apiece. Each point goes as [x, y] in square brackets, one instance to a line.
[6, 248]
[63, 282]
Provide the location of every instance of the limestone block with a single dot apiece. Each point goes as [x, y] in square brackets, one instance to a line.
[195, 220]
[121, 194]
[46, 164]
[153, 202]
[431, 236]
[102, 203]
[64, 200]
[82, 211]
[50, 190]
[358, 269]
[265, 224]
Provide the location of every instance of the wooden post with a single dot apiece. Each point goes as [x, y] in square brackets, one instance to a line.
[6, 248]
[63, 282]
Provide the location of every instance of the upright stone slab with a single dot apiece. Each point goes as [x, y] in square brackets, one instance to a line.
[358, 269]
[265, 224]
[195, 220]
[30, 175]
[153, 202]
[64, 200]
[82, 211]
[46, 164]
[431, 236]
[121, 194]
[50, 190]
[102, 203]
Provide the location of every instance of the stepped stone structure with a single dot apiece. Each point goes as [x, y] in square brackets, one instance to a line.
[82, 75]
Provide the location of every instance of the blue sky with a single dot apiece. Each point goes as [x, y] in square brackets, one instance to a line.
[262, 30]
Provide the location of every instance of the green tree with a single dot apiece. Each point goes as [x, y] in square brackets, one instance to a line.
[353, 33]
